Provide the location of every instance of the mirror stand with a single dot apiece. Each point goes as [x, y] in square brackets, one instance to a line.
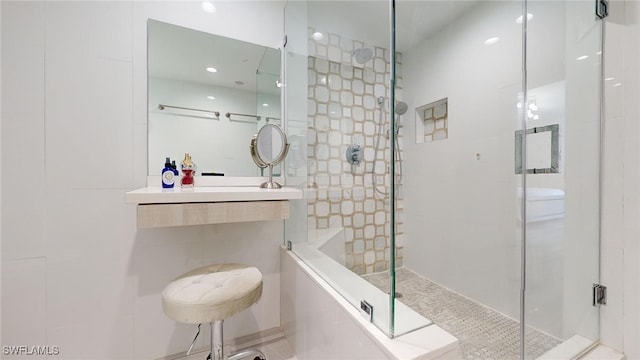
[270, 184]
[268, 148]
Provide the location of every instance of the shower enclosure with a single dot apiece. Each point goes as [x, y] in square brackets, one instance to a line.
[450, 157]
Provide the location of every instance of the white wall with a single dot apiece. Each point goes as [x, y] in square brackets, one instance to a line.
[75, 271]
[631, 235]
[620, 319]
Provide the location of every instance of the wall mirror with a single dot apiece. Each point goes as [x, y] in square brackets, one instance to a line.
[268, 148]
[208, 95]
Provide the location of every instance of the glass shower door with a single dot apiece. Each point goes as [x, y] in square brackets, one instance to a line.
[562, 112]
[461, 241]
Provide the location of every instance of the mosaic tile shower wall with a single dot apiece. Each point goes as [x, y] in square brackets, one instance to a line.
[432, 121]
[343, 110]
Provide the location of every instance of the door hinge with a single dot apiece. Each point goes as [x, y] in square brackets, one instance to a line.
[599, 294]
[366, 310]
[602, 8]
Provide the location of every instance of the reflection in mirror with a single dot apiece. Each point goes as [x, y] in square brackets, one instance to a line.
[270, 143]
[187, 102]
[268, 148]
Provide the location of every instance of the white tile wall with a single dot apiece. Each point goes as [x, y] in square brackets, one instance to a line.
[620, 252]
[24, 313]
[613, 207]
[76, 272]
[1, 233]
[631, 273]
[23, 146]
[91, 98]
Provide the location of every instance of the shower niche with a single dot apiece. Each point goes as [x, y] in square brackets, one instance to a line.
[432, 121]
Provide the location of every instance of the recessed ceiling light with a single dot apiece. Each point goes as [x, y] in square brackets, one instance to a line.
[608, 79]
[211, 97]
[212, 70]
[491, 41]
[519, 18]
[582, 57]
[317, 36]
[599, 53]
[618, 84]
[265, 104]
[278, 83]
[207, 6]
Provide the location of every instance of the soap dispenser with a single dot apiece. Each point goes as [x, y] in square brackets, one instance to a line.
[168, 175]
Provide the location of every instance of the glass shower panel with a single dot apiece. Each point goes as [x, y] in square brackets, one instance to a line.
[461, 66]
[344, 66]
[268, 97]
[563, 161]
[348, 98]
[293, 84]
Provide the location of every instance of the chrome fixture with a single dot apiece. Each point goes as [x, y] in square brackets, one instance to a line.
[362, 55]
[354, 154]
[268, 148]
[162, 107]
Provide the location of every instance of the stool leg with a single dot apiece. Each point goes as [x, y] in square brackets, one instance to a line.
[251, 354]
[194, 340]
[217, 346]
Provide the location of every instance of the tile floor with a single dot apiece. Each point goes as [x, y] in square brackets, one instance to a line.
[483, 333]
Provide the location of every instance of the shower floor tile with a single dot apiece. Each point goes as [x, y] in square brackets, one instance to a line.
[483, 333]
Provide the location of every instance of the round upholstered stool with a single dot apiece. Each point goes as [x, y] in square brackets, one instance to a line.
[211, 294]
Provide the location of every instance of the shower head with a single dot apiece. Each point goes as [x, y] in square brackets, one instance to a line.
[401, 107]
[362, 55]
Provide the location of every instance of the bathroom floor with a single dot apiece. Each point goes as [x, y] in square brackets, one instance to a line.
[277, 349]
[483, 333]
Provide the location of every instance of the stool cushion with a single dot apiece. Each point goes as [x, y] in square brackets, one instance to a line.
[213, 292]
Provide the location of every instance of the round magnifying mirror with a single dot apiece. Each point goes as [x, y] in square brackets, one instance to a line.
[268, 148]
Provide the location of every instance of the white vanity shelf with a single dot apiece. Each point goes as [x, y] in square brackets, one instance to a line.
[158, 207]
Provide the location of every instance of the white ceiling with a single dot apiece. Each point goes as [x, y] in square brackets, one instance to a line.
[176, 52]
[368, 21]
[179, 53]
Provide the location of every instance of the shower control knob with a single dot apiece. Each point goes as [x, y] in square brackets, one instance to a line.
[354, 154]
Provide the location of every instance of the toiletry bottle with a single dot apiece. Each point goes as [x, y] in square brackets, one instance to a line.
[168, 175]
[174, 167]
[188, 171]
